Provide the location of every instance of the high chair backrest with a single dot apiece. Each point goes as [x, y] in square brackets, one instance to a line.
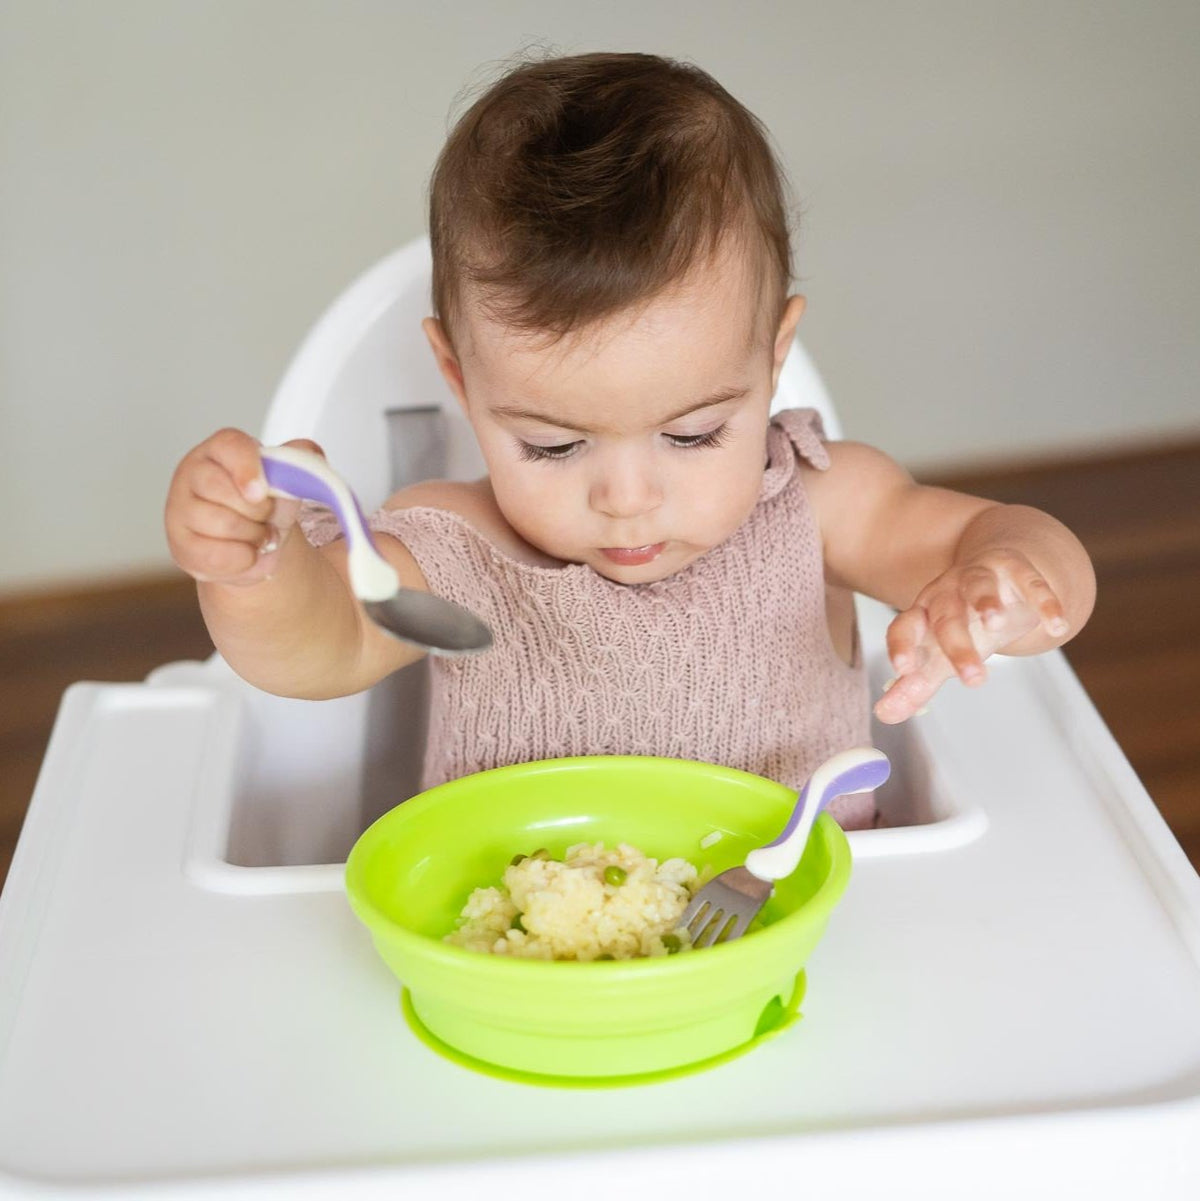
[365, 386]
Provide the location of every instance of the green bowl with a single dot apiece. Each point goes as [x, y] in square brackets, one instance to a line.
[410, 873]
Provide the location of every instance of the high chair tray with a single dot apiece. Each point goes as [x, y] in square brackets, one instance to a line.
[1012, 1011]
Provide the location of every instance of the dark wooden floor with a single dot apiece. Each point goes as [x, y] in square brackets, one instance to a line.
[1139, 657]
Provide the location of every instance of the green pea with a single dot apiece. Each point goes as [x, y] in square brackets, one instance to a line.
[615, 875]
[517, 924]
[673, 943]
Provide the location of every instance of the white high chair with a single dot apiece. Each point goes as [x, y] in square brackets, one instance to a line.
[1007, 1001]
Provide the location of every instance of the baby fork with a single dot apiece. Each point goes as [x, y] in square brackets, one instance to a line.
[428, 621]
[727, 904]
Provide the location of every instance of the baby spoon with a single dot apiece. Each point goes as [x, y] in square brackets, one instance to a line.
[728, 903]
[428, 621]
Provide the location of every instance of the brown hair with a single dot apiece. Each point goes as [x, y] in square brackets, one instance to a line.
[576, 187]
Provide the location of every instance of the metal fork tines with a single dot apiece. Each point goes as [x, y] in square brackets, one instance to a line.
[725, 907]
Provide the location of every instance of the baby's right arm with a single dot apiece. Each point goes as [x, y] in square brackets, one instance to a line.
[280, 612]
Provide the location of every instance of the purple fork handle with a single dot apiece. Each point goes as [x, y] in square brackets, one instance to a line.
[868, 769]
[858, 770]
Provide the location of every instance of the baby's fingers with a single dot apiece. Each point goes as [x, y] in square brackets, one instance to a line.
[219, 560]
[907, 696]
[209, 520]
[950, 624]
[237, 455]
[904, 637]
[219, 544]
[210, 483]
[985, 597]
[1040, 597]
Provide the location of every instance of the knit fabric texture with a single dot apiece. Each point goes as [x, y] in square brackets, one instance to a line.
[728, 661]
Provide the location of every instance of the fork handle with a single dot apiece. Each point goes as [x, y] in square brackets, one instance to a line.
[858, 770]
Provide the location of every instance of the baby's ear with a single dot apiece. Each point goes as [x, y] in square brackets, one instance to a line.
[793, 311]
[447, 360]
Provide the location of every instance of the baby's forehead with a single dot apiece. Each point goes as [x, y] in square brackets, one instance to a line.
[712, 308]
[640, 344]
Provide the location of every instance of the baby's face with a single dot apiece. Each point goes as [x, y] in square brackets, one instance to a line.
[635, 446]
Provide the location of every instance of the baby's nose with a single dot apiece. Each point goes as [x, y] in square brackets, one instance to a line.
[626, 490]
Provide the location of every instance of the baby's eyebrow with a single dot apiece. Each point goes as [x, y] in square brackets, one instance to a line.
[716, 398]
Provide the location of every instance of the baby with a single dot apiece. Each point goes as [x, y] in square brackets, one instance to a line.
[666, 569]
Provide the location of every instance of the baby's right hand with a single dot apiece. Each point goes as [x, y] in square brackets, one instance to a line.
[222, 527]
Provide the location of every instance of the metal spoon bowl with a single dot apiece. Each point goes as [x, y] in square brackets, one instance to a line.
[440, 626]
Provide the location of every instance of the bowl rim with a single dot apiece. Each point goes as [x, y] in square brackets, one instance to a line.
[380, 924]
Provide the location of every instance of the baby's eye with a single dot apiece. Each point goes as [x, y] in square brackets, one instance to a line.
[691, 441]
[531, 451]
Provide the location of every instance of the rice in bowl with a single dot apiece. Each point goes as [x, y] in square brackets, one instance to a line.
[592, 904]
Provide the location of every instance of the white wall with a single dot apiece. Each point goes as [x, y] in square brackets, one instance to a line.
[999, 236]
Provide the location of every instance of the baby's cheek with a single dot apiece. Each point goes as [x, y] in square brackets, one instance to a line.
[544, 522]
[715, 513]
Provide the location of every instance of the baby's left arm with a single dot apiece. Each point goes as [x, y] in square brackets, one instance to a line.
[969, 577]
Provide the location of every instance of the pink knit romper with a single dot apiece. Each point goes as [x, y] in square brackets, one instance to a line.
[728, 661]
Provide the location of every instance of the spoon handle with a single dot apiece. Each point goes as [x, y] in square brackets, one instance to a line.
[857, 770]
[302, 475]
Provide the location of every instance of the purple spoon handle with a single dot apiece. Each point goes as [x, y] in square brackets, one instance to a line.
[412, 615]
[304, 475]
[290, 471]
[858, 770]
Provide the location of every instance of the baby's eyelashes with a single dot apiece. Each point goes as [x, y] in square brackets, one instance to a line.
[534, 451]
[531, 451]
[689, 441]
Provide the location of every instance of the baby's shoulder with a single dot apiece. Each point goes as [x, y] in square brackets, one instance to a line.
[466, 498]
[853, 467]
[475, 502]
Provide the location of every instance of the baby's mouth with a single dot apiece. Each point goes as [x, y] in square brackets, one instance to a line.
[632, 556]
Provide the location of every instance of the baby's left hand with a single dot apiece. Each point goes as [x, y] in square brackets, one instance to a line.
[960, 618]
